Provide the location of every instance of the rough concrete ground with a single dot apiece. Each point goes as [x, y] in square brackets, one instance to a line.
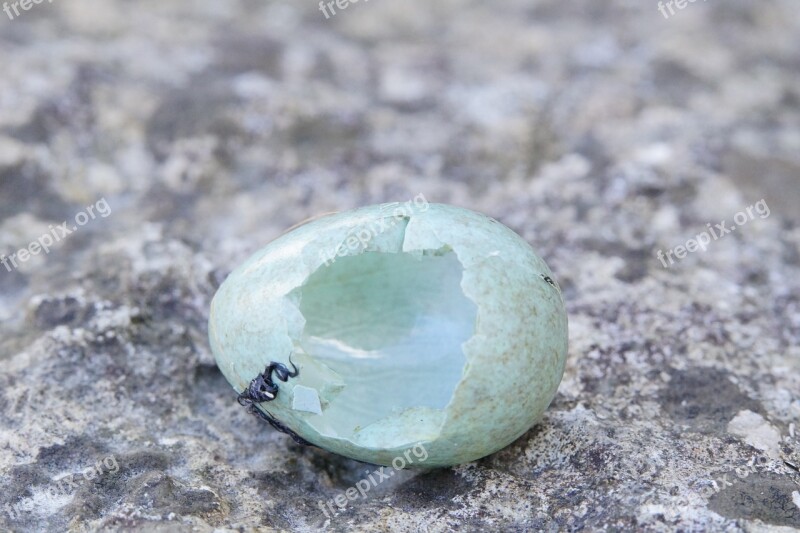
[602, 132]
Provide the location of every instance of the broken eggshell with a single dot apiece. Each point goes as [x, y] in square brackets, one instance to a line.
[411, 325]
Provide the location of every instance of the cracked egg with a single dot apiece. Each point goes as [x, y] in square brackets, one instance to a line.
[408, 325]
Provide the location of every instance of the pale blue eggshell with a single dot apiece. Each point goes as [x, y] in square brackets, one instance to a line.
[413, 325]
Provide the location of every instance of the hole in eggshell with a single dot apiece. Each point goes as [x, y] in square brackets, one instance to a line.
[388, 330]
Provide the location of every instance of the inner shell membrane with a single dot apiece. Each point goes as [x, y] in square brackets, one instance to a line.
[390, 327]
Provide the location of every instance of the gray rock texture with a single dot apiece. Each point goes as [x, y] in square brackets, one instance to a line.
[602, 132]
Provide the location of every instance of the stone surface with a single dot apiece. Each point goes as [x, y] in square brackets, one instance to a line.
[599, 131]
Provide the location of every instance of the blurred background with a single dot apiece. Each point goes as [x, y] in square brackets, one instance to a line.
[602, 132]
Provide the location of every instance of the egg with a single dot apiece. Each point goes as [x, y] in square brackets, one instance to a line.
[394, 327]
